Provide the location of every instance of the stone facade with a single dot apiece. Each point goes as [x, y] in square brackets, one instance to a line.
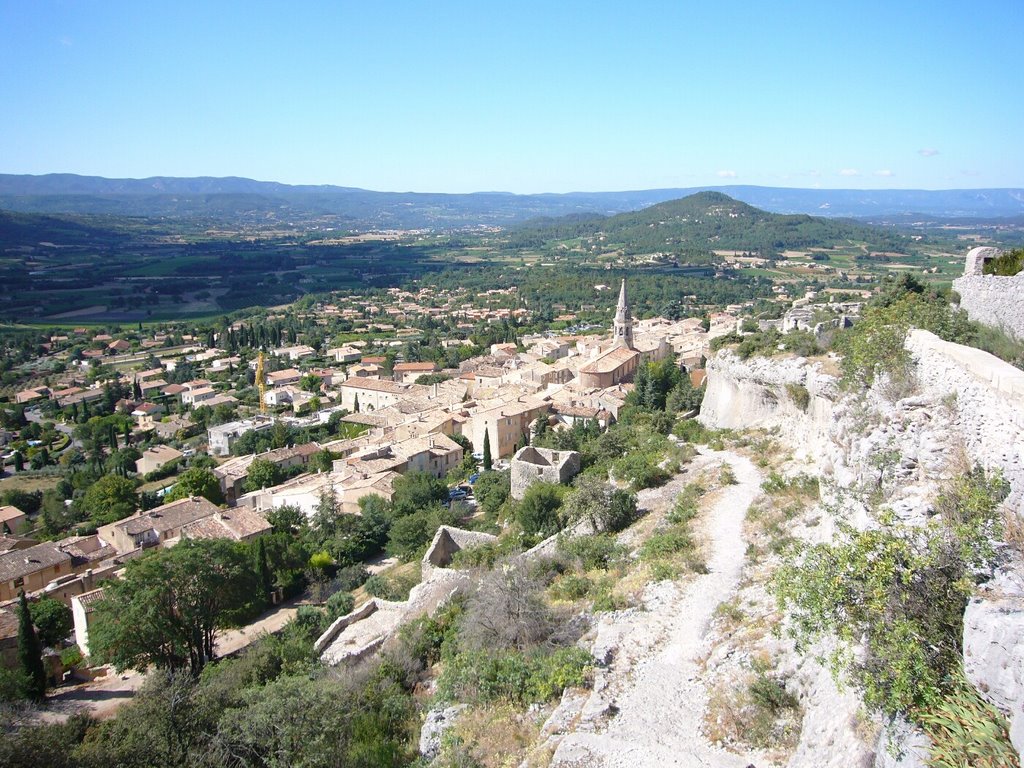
[531, 465]
[991, 299]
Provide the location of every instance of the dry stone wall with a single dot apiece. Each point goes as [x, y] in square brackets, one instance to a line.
[991, 299]
[994, 300]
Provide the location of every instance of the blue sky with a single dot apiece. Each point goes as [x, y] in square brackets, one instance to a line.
[521, 96]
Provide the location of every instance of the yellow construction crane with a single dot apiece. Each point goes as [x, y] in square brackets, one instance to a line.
[261, 383]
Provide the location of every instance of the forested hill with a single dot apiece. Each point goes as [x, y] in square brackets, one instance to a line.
[708, 220]
[21, 229]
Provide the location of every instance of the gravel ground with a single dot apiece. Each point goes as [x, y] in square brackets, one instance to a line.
[647, 704]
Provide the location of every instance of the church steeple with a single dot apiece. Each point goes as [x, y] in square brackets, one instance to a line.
[623, 324]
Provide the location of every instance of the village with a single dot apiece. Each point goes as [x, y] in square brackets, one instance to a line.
[404, 427]
[384, 417]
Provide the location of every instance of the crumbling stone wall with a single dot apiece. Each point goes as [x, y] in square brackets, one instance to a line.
[991, 299]
[531, 465]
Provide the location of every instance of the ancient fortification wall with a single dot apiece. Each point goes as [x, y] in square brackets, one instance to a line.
[990, 299]
[989, 412]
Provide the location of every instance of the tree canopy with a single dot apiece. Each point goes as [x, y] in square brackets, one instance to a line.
[170, 604]
[109, 499]
[196, 481]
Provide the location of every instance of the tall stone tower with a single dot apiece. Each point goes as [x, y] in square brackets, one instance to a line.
[623, 324]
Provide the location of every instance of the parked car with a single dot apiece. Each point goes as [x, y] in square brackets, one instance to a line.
[457, 494]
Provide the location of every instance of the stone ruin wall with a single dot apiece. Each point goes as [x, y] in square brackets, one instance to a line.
[531, 465]
[991, 299]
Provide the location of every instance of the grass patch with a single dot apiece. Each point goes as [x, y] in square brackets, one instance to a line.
[754, 711]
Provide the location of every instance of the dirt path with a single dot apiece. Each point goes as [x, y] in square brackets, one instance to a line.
[646, 705]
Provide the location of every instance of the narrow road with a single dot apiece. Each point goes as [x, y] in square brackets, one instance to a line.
[647, 704]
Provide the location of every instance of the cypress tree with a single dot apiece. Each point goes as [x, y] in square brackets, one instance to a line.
[30, 653]
[263, 568]
[355, 404]
[19, 462]
[487, 451]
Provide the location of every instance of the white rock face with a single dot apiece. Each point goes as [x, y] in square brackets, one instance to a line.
[994, 647]
[436, 723]
[762, 392]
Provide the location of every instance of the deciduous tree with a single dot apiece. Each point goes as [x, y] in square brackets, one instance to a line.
[167, 609]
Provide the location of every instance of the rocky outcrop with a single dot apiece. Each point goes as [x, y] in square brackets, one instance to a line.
[780, 392]
[435, 724]
[994, 647]
[966, 400]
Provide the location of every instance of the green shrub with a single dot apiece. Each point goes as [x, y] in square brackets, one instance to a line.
[662, 570]
[482, 556]
[565, 668]
[393, 587]
[591, 552]
[339, 604]
[726, 476]
[513, 676]
[770, 693]
[604, 599]
[668, 542]
[538, 511]
[897, 591]
[686, 504]
[71, 657]
[571, 586]
[800, 484]
[425, 638]
[311, 620]
[351, 577]
[799, 395]
[640, 470]
[692, 431]
[1006, 265]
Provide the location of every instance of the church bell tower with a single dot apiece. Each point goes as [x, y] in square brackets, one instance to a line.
[623, 324]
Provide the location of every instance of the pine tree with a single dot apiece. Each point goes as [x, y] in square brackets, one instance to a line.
[487, 451]
[30, 653]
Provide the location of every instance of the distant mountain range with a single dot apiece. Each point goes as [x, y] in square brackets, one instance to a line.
[269, 202]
